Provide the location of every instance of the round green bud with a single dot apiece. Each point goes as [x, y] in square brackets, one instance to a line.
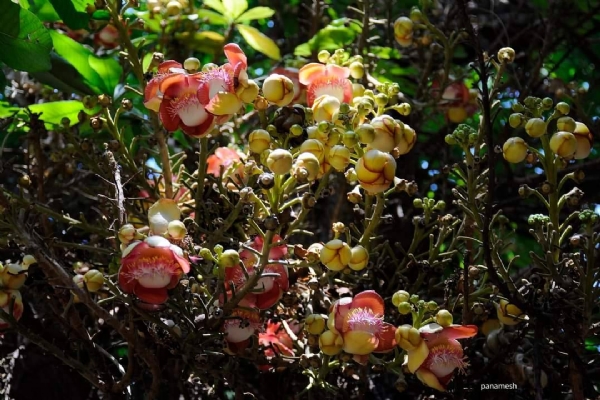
[563, 108]
[404, 308]
[401, 296]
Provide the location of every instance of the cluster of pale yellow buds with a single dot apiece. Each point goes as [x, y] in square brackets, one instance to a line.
[167, 7]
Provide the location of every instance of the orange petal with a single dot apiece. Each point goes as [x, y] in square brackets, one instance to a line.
[369, 299]
[152, 296]
[459, 331]
[235, 54]
[310, 72]
[387, 338]
[165, 67]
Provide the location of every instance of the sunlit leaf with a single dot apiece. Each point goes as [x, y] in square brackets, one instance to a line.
[63, 76]
[53, 112]
[235, 8]
[256, 13]
[216, 5]
[101, 15]
[205, 42]
[42, 9]
[331, 37]
[71, 16]
[213, 17]
[101, 74]
[259, 41]
[24, 41]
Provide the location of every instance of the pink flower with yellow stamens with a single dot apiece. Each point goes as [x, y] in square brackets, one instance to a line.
[152, 267]
[327, 79]
[359, 321]
[438, 354]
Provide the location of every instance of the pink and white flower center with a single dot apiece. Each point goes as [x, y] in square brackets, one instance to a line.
[444, 359]
[151, 273]
[217, 80]
[364, 320]
[189, 109]
[332, 87]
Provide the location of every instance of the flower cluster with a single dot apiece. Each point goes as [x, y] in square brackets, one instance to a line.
[12, 278]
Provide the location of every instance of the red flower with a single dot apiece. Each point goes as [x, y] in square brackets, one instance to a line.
[457, 101]
[226, 157]
[327, 79]
[6, 297]
[150, 268]
[359, 321]
[107, 37]
[276, 341]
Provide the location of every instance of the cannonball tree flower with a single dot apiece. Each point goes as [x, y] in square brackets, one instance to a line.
[276, 341]
[514, 150]
[359, 321]
[457, 101]
[387, 133]
[278, 89]
[13, 276]
[107, 37]
[375, 171]
[231, 161]
[161, 214]
[335, 255]
[326, 108]
[584, 140]
[151, 267]
[6, 297]
[241, 325]
[434, 352]
[563, 144]
[327, 79]
[403, 31]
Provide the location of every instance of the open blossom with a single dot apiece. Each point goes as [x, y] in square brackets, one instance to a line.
[150, 268]
[6, 296]
[327, 79]
[269, 289]
[457, 101]
[241, 325]
[434, 352]
[231, 161]
[359, 322]
[275, 341]
[197, 102]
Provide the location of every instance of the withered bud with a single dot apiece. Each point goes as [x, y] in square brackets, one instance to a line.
[126, 104]
[96, 123]
[24, 181]
[104, 100]
[547, 188]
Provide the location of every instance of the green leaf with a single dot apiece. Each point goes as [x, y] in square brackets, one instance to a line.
[7, 110]
[216, 5]
[72, 17]
[234, 8]
[53, 112]
[24, 40]
[260, 42]
[212, 17]
[101, 15]
[329, 38]
[256, 13]
[203, 42]
[42, 9]
[101, 74]
[63, 76]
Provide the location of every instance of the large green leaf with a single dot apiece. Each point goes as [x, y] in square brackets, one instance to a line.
[260, 42]
[213, 17]
[101, 74]
[234, 8]
[24, 40]
[42, 9]
[63, 76]
[216, 5]
[53, 112]
[256, 13]
[70, 15]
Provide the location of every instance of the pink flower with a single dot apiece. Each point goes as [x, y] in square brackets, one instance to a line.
[150, 268]
[327, 79]
[276, 341]
[359, 321]
[439, 354]
[226, 157]
[457, 101]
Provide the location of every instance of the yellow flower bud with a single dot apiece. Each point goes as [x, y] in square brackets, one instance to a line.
[330, 343]
[387, 133]
[375, 171]
[404, 308]
[94, 280]
[308, 162]
[566, 124]
[506, 55]
[191, 64]
[357, 90]
[509, 314]
[278, 89]
[457, 115]
[563, 108]
[408, 337]
[359, 258]
[407, 140]
[514, 150]
[173, 8]
[323, 56]
[535, 127]
[176, 229]
[403, 31]
[259, 140]
[400, 296]
[339, 157]
[127, 233]
[229, 258]
[357, 70]
[313, 146]
[29, 259]
[326, 108]
[444, 318]
[584, 142]
[13, 276]
[280, 161]
[563, 144]
[313, 252]
[248, 93]
[161, 213]
[335, 255]
[314, 324]
[366, 133]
